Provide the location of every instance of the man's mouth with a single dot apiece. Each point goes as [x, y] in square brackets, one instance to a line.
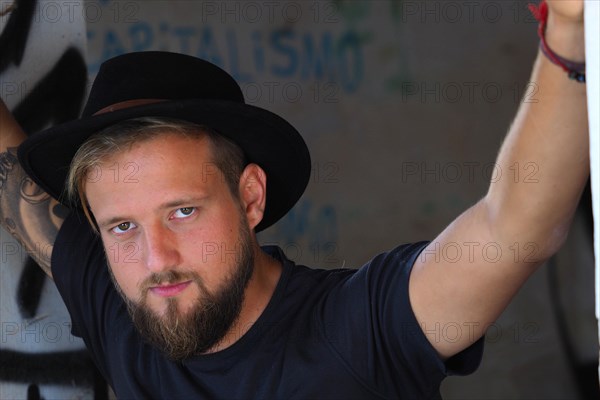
[170, 290]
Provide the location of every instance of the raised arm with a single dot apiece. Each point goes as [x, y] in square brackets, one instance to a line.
[26, 212]
[469, 273]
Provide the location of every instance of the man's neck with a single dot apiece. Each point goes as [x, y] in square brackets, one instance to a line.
[259, 291]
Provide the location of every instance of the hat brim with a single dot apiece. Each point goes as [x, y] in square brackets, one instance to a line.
[267, 140]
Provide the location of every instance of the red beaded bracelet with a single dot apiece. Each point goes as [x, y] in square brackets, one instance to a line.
[575, 71]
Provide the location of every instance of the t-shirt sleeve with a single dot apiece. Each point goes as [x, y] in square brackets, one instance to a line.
[80, 272]
[377, 334]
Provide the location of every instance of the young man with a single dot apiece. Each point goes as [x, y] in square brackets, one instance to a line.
[167, 284]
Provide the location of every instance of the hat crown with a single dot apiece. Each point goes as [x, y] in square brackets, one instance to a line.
[169, 85]
[159, 75]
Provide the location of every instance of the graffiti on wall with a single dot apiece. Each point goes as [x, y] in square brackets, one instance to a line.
[40, 359]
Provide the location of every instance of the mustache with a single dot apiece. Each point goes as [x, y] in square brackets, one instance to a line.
[168, 277]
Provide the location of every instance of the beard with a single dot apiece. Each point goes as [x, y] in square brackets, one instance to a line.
[210, 317]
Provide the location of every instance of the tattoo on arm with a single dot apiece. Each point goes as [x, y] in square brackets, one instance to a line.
[28, 213]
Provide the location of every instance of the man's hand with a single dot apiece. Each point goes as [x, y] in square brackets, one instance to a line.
[11, 134]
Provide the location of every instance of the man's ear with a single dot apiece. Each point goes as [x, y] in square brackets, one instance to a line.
[253, 193]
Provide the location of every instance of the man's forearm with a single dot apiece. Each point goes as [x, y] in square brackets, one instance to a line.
[26, 212]
[545, 157]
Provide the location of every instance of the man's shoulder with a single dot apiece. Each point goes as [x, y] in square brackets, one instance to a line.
[301, 278]
[304, 272]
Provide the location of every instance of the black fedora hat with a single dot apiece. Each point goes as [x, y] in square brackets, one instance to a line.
[164, 84]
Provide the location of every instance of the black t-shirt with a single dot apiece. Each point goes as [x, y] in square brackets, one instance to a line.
[325, 334]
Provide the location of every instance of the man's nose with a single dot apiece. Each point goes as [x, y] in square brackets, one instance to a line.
[160, 250]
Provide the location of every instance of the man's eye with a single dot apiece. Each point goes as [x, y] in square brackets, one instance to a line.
[123, 227]
[184, 212]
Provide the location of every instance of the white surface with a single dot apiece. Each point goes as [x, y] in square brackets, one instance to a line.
[592, 40]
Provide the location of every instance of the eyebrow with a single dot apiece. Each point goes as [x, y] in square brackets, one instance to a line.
[184, 201]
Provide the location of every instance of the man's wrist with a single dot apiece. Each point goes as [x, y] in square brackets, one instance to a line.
[566, 37]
